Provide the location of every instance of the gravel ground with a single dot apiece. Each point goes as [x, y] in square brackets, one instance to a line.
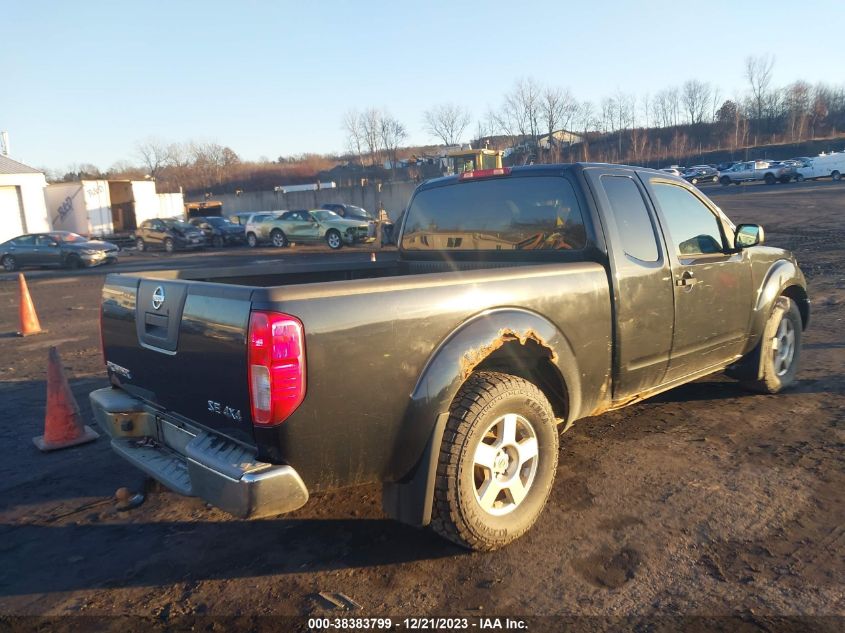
[704, 501]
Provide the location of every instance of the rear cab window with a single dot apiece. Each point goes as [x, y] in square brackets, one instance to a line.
[526, 213]
[636, 230]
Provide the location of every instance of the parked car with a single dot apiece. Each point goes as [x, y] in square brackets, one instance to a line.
[349, 211]
[253, 226]
[701, 173]
[311, 226]
[514, 308]
[168, 233]
[768, 171]
[57, 249]
[219, 231]
[672, 170]
[823, 166]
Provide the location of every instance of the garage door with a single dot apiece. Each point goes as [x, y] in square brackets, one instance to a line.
[10, 213]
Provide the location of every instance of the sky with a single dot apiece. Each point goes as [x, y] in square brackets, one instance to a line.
[85, 82]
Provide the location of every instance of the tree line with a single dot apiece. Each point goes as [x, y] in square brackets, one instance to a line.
[678, 121]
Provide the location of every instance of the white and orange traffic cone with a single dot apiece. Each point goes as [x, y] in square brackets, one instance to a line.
[63, 425]
[28, 317]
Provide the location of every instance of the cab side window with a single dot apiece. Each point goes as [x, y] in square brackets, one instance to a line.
[692, 226]
[635, 228]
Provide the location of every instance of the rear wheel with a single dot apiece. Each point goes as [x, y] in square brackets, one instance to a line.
[799, 178]
[780, 349]
[252, 240]
[334, 240]
[836, 175]
[10, 264]
[278, 238]
[169, 245]
[715, 179]
[497, 462]
[725, 181]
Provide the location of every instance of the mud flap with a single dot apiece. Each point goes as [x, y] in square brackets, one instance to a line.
[410, 501]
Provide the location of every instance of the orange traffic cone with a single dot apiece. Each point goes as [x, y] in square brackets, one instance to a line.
[63, 423]
[28, 318]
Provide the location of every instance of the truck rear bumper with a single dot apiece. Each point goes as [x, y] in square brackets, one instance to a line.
[194, 462]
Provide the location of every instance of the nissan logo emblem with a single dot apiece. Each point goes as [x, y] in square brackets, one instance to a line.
[158, 297]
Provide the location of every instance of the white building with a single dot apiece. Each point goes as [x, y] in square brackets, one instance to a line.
[22, 208]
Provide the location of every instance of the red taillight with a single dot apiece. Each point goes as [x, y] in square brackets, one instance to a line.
[276, 366]
[485, 173]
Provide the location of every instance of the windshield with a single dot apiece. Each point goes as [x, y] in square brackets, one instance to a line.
[357, 211]
[68, 238]
[325, 215]
[215, 221]
[178, 224]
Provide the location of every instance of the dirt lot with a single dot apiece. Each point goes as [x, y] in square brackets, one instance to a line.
[705, 501]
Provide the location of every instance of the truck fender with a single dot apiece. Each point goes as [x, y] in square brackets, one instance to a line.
[408, 497]
[783, 278]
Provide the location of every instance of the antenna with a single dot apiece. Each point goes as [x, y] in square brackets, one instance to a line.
[4, 143]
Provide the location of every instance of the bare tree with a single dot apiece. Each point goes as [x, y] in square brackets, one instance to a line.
[354, 128]
[758, 72]
[447, 122]
[154, 154]
[557, 110]
[392, 134]
[695, 95]
[371, 127]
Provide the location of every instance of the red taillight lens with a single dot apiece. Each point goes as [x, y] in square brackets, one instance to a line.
[485, 173]
[276, 366]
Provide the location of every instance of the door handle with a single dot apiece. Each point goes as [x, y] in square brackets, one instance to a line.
[686, 279]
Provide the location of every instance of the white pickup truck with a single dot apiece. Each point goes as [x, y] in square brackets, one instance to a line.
[822, 166]
[748, 171]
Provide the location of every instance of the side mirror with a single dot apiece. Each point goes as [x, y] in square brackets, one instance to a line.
[748, 235]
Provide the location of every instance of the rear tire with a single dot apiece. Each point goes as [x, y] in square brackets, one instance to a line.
[799, 178]
[779, 349]
[836, 176]
[725, 181]
[139, 244]
[497, 462]
[169, 245]
[252, 240]
[278, 238]
[10, 264]
[715, 179]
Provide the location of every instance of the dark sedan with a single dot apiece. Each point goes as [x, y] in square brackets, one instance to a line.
[701, 173]
[219, 231]
[58, 249]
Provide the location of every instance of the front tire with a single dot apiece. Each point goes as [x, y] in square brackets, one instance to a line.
[334, 240]
[836, 176]
[780, 349]
[770, 179]
[799, 178]
[252, 240]
[74, 262]
[139, 244]
[217, 241]
[725, 181]
[497, 462]
[10, 264]
[169, 245]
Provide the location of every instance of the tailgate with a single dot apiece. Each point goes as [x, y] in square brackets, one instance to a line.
[181, 345]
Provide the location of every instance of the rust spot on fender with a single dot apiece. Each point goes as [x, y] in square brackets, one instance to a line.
[471, 359]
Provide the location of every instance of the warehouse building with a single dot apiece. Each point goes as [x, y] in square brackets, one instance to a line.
[22, 208]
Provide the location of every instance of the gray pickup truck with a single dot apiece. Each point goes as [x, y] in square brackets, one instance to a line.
[520, 301]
